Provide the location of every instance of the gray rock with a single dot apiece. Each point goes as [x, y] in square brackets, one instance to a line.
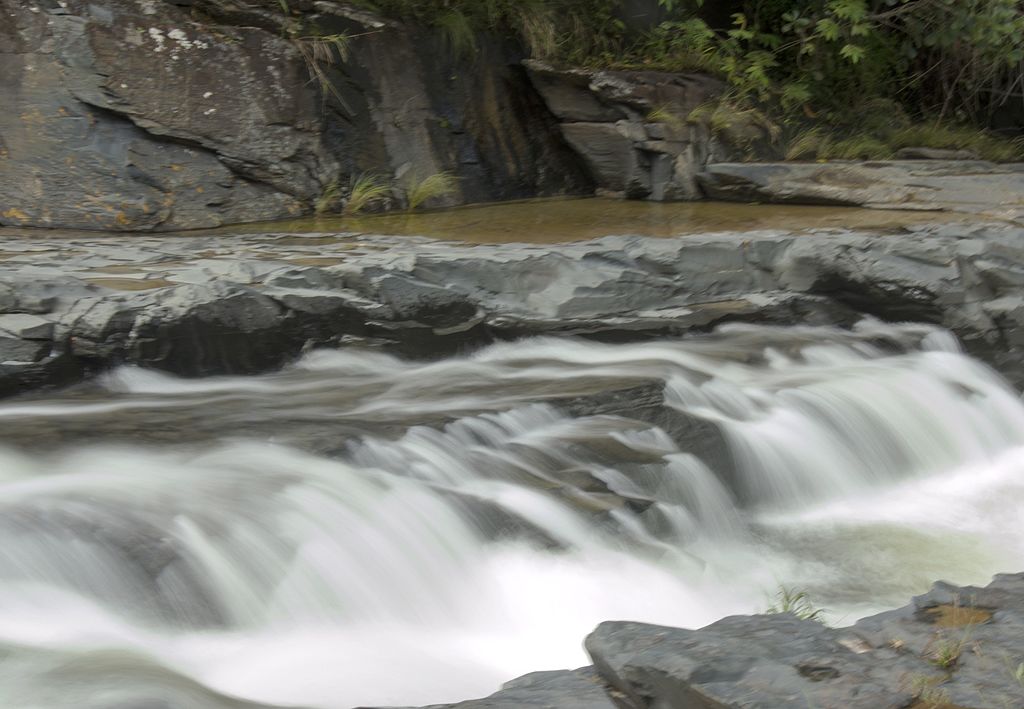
[758, 661]
[963, 186]
[27, 327]
[425, 298]
[951, 647]
[136, 116]
[604, 118]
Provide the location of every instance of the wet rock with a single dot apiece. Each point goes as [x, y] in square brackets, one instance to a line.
[952, 646]
[959, 185]
[646, 402]
[425, 298]
[758, 661]
[26, 327]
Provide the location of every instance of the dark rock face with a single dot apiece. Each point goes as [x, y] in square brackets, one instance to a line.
[630, 128]
[246, 314]
[134, 115]
[938, 184]
[122, 118]
[952, 647]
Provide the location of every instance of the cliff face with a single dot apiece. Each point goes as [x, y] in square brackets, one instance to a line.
[157, 115]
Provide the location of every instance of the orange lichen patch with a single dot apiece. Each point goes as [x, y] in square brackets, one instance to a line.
[130, 283]
[956, 616]
[15, 213]
[122, 219]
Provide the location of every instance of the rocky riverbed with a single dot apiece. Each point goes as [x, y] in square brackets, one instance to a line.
[589, 433]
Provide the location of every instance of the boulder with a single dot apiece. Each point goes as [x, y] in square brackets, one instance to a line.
[950, 647]
[630, 128]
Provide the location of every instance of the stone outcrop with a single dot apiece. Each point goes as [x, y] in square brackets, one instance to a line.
[951, 648]
[136, 115]
[948, 185]
[631, 128]
[250, 304]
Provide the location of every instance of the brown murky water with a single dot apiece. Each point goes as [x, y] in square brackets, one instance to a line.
[563, 220]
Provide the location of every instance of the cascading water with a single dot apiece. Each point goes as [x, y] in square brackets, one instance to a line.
[359, 530]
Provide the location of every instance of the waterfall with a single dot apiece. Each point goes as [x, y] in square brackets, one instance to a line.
[362, 530]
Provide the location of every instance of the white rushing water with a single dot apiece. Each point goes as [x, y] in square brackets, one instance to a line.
[359, 530]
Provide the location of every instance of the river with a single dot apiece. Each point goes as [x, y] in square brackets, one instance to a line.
[360, 530]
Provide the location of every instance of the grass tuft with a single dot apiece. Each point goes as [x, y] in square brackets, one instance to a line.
[789, 600]
[319, 54]
[816, 143]
[440, 184]
[328, 198]
[366, 190]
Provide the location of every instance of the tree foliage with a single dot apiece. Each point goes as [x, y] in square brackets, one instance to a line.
[954, 60]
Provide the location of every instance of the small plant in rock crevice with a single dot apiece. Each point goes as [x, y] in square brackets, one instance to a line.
[328, 198]
[436, 186]
[365, 191]
[789, 600]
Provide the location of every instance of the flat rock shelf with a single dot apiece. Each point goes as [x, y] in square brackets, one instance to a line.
[238, 304]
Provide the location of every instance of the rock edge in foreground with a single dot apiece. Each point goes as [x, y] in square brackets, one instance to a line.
[953, 647]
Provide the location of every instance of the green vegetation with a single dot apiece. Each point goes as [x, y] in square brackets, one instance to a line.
[366, 191]
[420, 191]
[816, 143]
[830, 74]
[328, 198]
[946, 652]
[788, 600]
